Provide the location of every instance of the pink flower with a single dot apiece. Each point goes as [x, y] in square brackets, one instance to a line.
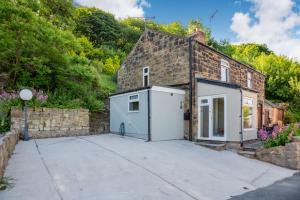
[276, 129]
[274, 135]
[42, 98]
[263, 134]
[7, 96]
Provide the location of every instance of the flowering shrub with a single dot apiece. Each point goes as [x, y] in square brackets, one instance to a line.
[278, 136]
[40, 96]
[7, 96]
[263, 134]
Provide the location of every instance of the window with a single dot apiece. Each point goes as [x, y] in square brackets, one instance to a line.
[224, 71]
[133, 103]
[248, 113]
[146, 76]
[249, 80]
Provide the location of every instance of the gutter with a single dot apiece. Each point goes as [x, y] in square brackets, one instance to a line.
[149, 117]
[190, 90]
[241, 132]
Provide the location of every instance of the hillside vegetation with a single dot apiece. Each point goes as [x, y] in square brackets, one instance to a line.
[69, 55]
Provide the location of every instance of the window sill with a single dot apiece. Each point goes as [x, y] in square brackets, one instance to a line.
[249, 129]
[134, 111]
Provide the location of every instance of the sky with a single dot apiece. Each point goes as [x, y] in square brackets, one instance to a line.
[272, 22]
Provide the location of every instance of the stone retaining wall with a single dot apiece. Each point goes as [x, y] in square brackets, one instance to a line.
[53, 122]
[99, 122]
[284, 156]
[7, 146]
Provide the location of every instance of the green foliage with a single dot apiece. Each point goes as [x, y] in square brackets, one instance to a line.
[111, 65]
[297, 132]
[73, 53]
[280, 140]
[174, 28]
[38, 49]
[100, 27]
[5, 106]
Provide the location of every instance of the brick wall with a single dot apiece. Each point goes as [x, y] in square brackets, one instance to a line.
[52, 122]
[167, 58]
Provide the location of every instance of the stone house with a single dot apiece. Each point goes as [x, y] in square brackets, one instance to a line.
[224, 98]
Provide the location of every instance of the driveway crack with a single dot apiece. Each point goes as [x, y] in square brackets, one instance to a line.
[48, 171]
[144, 168]
[259, 176]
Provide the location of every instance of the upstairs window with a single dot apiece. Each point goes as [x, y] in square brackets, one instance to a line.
[133, 103]
[146, 76]
[224, 71]
[249, 80]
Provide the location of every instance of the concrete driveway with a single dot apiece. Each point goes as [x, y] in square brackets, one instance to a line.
[111, 167]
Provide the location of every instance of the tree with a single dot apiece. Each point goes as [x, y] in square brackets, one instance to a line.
[100, 27]
[174, 28]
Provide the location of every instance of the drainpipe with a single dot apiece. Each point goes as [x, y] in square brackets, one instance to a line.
[190, 89]
[149, 116]
[241, 132]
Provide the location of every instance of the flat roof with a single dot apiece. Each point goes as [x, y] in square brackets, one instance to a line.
[224, 84]
[154, 88]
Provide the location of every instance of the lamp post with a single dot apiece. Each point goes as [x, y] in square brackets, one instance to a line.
[25, 95]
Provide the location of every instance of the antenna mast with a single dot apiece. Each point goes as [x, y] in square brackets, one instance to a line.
[211, 18]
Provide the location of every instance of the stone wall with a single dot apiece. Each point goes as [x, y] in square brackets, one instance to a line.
[99, 122]
[52, 122]
[284, 156]
[207, 65]
[7, 146]
[165, 54]
[168, 59]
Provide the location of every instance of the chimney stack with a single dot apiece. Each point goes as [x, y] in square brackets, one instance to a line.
[198, 35]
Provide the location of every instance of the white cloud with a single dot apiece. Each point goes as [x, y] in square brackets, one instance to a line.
[270, 22]
[120, 8]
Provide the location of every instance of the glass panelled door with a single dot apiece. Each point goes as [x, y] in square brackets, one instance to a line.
[211, 117]
[218, 117]
[204, 115]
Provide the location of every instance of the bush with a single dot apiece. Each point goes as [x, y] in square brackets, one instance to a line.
[7, 100]
[279, 136]
[291, 116]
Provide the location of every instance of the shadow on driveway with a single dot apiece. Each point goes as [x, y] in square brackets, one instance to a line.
[286, 189]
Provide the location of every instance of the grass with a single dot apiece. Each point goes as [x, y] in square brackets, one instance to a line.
[6, 182]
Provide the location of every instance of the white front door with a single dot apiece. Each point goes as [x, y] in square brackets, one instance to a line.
[212, 117]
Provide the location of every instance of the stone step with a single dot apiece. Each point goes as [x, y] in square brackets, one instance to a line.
[214, 146]
[249, 149]
[248, 154]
